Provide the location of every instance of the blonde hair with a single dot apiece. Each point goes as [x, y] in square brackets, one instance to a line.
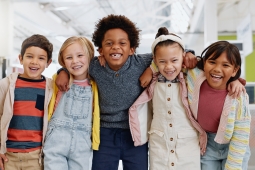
[83, 41]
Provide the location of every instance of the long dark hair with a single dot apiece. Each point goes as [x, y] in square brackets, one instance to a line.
[216, 49]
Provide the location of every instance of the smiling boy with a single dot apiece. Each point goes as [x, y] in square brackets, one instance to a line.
[24, 100]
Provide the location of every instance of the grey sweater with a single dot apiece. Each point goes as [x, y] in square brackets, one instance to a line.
[118, 90]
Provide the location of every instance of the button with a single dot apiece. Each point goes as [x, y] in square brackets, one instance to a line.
[172, 164]
[169, 112]
[117, 75]
[170, 125]
[169, 85]
[172, 151]
[171, 139]
[168, 99]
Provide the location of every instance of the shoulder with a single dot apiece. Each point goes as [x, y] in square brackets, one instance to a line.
[241, 105]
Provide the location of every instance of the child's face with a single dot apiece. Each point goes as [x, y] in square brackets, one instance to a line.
[169, 60]
[219, 71]
[34, 62]
[116, 48]
[76, 61]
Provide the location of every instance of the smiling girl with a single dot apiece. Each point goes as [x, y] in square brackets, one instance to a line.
[68, 139]
[226, 120]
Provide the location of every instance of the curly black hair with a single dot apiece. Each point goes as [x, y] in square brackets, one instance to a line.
[37, 41]
[116, 21]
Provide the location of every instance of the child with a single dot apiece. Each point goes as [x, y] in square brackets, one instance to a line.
[24, 100]
[226, 71]
[226, 120]
[68, 139]
[173, 131]
[118, 85]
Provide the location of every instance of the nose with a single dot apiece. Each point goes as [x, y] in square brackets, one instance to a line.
[115, 46]
[75, 59]
[217, 68]
[34, 60]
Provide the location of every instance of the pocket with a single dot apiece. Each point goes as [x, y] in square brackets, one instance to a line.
[157, 148]
[39, 102]
[49, 133]
[187, 144]
[77, 107]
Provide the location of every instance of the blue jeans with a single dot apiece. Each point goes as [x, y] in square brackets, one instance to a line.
[67, 142]
[117, 144]
[216, 155]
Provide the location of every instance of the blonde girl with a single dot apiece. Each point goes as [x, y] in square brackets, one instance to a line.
[68, 139]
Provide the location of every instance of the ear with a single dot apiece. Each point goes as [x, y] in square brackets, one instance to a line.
[100, 50]
[48, 63]
[235, 71]
[20, 59]
[131, 51]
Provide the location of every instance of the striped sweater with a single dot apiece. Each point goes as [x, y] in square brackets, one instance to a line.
[234, 127]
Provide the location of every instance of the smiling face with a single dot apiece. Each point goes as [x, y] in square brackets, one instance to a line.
[34, 62]
[169, 60]
[116, 48]
[76, 61]
[219, 71]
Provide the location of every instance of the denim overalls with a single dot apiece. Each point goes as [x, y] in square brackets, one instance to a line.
[68, 138]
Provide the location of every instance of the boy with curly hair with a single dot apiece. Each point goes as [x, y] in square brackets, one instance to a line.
[118, 84]
[24, 100]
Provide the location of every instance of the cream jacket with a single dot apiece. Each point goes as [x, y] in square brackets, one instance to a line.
[7, 87]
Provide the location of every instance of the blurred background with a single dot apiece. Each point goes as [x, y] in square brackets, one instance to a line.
[198, 22]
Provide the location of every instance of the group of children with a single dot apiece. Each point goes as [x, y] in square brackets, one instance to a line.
[193, 122]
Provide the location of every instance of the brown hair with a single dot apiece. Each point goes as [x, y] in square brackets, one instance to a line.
[37, 41]
[216, 49]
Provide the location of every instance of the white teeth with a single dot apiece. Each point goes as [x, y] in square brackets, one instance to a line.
[216, 76]
[116, 56]
[76, 67]
[170, 72]
[33, 68]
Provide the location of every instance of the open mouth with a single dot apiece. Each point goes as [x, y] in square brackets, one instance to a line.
[170, 72]
[116, 55]
[33, 69]
[216, 77]
[76, 67]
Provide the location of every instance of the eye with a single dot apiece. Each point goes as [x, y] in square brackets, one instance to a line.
[226, 65]
[175, 60]
[68, 57]
[108, 43]
[29, 56]
[123, 43]
[80, 55]
[211, 61]
[41, 58]
[162, 61]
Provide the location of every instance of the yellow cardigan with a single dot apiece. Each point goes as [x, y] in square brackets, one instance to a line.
[96, 113]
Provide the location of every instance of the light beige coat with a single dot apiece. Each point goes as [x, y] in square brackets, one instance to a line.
[7, 87]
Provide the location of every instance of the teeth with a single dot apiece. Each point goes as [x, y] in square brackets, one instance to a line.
[170, 72]
[216, 76]
[116, 55]
[76, 67]
[34, 68]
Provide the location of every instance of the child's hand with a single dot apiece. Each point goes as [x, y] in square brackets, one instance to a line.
[3, 159]
[101, 60]
[202, 143]
[146, 77]
[189, 61]
[62, 81]
[235, 88]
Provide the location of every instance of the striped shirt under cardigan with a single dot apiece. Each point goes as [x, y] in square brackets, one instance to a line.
[234, 127]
